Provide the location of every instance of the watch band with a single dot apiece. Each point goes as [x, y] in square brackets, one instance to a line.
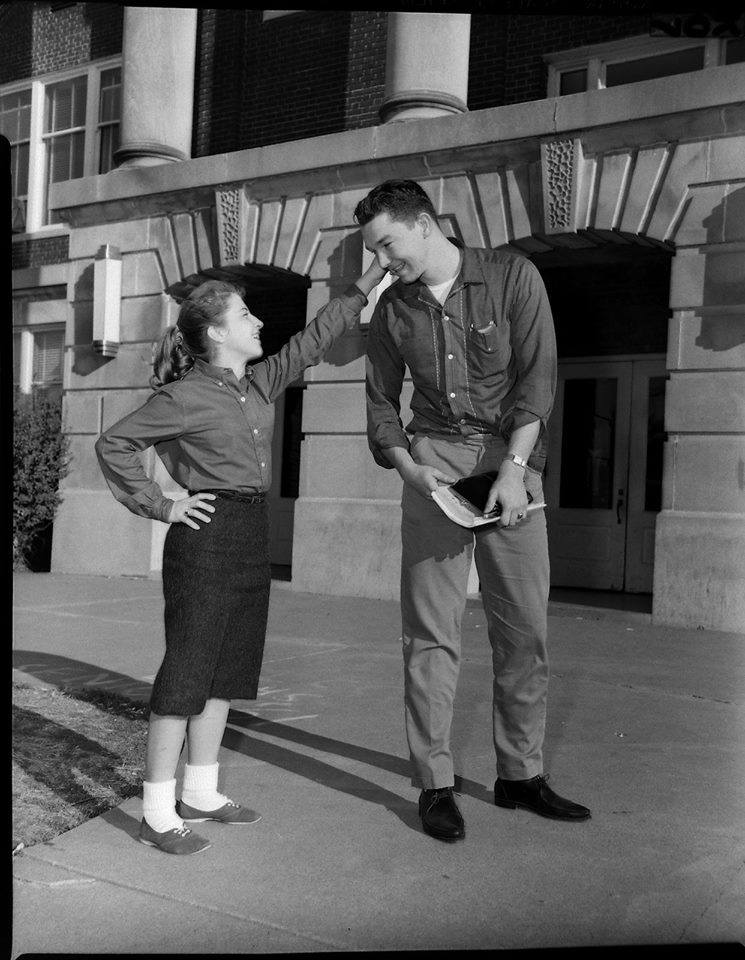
[518, 460]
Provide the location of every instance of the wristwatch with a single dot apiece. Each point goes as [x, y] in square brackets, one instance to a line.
[518, 460]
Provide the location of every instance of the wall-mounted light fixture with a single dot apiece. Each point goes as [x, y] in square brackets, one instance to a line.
[107, 304]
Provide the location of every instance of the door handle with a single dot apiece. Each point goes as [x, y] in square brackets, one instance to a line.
[619, 505]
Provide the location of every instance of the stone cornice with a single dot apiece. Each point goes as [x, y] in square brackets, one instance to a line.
[673, 108]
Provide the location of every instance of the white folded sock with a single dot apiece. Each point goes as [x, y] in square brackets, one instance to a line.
[200, 787]
[159, 806]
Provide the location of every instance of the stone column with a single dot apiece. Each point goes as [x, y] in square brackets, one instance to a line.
[159, 50]
[426, 65]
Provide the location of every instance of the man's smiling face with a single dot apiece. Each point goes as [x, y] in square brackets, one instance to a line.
[399, 246]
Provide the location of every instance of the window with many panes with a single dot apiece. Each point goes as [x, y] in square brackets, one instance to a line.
[634, 59]
[64, 132]
[61, 127]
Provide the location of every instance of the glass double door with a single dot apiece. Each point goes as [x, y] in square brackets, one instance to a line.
[603, 481]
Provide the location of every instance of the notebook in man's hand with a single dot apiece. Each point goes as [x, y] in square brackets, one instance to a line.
[464, 501]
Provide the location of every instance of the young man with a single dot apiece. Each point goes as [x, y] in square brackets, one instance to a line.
[474, 327]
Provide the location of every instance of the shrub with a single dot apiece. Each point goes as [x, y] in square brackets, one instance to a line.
[40, 461]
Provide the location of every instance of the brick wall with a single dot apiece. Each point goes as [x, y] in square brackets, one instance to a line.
[48, 37]
[487, 60]
[506, 64]
[287, 78]
[368, 33]
[218, 87]
[321, 71]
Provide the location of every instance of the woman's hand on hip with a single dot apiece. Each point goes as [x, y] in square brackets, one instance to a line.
[191, 509]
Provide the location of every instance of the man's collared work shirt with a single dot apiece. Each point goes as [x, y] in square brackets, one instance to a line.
[482, 362]
[210, 429]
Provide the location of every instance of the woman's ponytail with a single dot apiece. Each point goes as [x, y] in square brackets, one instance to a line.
[181, 344]
[170, 359]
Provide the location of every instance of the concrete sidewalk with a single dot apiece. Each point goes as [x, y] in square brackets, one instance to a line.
[645, 727]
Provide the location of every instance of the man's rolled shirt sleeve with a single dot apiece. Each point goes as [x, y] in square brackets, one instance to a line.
[383, 382]
[533, 343]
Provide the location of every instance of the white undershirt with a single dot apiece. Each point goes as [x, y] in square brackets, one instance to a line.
[440, 291]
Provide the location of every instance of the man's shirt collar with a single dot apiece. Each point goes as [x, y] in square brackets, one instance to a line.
[470, 272]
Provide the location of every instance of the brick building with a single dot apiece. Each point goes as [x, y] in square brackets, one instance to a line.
[183, 143]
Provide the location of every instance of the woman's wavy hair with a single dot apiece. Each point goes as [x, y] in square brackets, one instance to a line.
[187, 340]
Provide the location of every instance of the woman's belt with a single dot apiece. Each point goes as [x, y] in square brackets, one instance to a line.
[233, 495]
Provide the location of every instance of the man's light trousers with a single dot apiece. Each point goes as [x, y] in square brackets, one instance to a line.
[513, 569]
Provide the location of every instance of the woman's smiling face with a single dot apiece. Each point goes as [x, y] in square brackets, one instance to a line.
[240, 329]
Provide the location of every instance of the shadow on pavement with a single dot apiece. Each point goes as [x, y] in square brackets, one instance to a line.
[116, 818]
[64, 673]
[321, 773]
[351, 751]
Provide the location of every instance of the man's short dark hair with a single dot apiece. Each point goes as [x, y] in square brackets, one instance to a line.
[400, 199]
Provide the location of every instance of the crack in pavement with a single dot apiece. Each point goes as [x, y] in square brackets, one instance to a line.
[86, 877]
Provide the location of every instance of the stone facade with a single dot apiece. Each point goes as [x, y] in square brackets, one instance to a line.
[657, 164]
[284, 129]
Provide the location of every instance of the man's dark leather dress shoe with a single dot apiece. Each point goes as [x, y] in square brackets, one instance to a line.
[536, 795]
[440, 815]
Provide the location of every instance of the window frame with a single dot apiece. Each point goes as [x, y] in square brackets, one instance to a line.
[22, 197]
[28, 333]
[38, 186]
[596, 57]
[102, 125]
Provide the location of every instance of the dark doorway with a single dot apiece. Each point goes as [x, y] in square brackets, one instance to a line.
[603, 478]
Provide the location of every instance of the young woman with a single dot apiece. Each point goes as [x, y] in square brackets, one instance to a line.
[211, 420]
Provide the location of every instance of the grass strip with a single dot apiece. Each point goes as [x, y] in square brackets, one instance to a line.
[76, 754]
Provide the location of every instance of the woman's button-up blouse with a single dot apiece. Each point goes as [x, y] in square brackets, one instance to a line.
[210, 429]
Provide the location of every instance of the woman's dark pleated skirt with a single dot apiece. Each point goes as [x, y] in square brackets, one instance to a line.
[216, 587]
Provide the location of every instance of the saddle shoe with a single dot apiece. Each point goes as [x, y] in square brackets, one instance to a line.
[228, 813]
[180, 840]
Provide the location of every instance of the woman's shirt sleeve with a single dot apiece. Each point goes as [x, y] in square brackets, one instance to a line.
[308, 346]
[118, 450]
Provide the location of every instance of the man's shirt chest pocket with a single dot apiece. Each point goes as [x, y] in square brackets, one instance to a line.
[489, 344]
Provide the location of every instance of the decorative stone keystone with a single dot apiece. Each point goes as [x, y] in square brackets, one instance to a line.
[560, 170]
[231, 207]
